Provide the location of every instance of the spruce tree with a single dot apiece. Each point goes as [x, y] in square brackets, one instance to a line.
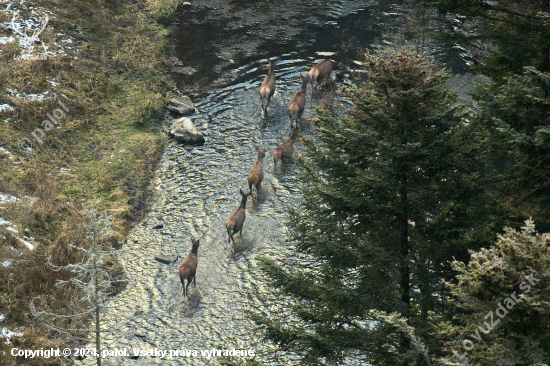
[390, 195]
[501, 304]
[517, 115]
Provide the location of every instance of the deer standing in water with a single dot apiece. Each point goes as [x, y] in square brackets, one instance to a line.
[322, 71]
[268, 85]
[284, 151]
[298, 102]
[256, 174]
[188, 267]
[234, 224]
[326, 102]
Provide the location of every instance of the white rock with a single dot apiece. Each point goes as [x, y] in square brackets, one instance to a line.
[185, 131]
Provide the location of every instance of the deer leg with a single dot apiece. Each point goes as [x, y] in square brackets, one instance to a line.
[194, 281]
[182, 287]
[186, 290]
[250, 187]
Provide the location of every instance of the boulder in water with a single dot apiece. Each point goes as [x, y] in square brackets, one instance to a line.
[185, 131]
[166, 259]
[181, 105]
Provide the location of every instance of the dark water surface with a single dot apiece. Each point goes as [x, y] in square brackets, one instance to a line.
[227, 42]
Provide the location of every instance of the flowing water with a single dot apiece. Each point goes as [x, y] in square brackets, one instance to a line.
[227, 43]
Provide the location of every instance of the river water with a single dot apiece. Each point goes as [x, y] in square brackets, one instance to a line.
[197, 187]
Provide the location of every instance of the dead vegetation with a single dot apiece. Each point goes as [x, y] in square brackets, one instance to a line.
[112, 77]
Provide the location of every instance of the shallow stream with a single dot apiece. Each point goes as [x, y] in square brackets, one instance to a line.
[227, 43]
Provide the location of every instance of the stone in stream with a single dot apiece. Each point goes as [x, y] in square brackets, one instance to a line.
[158, 225]
[166, 259]
[181, 105]
[184, 131]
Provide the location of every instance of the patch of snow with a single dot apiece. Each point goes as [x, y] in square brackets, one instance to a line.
[53, 83]
[4, 40]
[31, 97]
[7, 334]
[2, 317]
[6, 198]
[5, 107]
[9, 225]
[5, 264]
[29, 245]
[27, 32]
[2, 150]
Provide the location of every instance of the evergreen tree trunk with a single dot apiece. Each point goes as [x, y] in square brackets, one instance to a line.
[545, 67]
[405, 268]
[405, 245]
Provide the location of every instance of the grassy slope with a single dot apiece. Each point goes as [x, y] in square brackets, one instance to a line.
[111, 141]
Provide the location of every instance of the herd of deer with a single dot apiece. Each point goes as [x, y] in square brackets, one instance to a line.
[234, 224]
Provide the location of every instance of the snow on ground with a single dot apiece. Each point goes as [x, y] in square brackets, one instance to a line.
[7, 334]
[37, 97]
[29, 245]
[3, 150]
[27, 32]
[6, 198]
[9, 226]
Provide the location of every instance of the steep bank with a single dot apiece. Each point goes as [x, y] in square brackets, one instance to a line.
[82, 91]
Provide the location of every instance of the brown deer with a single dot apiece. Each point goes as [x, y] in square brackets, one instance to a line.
[284, 151]
[234, 224]
[322, 71]
[268, 85]
[256, 174]
[298, 102]
[188, 267]
[326, 102]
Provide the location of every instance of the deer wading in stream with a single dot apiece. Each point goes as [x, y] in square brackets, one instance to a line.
[297, 103]
[283, 152]
[256, 174]
[268, 85]
[234, 224]
[322, 71]
[188, 267]
[326, 102]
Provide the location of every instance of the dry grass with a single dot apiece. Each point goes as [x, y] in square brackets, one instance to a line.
[115, 85]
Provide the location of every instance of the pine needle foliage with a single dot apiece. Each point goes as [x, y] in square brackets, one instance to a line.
[501, 303]
[517, 116]
[388, 192]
